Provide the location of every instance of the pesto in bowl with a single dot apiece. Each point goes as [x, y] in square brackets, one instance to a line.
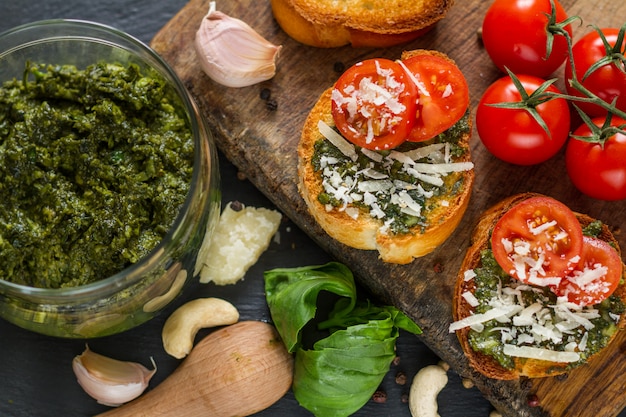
[109, 180]
[95, 165]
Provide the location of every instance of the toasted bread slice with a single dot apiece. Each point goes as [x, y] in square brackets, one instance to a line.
[362, 23]
[523, 367]
[368, 233]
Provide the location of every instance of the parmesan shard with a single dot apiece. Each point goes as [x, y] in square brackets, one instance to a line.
[424, 151]
[541, 354]
[241, 236]
[470, 298]
[336, 139]
[494, 313]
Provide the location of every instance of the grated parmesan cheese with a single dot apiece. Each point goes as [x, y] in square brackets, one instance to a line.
[372, 184]
[362, 101]
[528, 330]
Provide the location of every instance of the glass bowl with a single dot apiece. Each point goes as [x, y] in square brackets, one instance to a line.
[137, 293]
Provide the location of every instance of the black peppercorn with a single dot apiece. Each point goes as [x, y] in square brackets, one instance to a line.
[265, 94]
[379, 397]
[271, 104]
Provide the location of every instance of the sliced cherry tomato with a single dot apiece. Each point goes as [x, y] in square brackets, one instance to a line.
[596, 277]
[513, 135]
[443, 95]
[537, 240]
[598, 168]
[515, 36]
[608, 81]
[374, 103]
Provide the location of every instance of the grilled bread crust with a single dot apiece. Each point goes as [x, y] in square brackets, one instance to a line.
[364, 232]
[486, 365]
[362, 23]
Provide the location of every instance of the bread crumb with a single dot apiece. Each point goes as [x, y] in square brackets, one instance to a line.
[239, 239]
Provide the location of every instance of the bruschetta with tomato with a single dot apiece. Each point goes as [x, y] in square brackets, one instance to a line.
[360, 23]
[540, 291]
[384, 160]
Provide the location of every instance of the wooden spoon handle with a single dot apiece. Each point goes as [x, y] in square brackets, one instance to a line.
[235, 371]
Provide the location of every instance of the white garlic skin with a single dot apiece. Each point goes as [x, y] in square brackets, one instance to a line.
[232, 53]
[110, 381]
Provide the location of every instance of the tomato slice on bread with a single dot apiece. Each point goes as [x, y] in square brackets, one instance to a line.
[378, 104]
[596, 277]
[443, 95]
[538, 241]
[374, 103]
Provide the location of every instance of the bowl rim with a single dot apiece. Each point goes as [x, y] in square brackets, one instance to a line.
[133, 273]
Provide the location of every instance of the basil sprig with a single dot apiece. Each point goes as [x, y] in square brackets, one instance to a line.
[337, 372]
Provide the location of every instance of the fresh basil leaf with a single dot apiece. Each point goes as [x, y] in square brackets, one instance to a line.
[342, 370]
[292, 293]
[341, 373]
[363, 313]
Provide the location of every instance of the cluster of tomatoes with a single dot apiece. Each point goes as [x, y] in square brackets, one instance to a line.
[524, 119]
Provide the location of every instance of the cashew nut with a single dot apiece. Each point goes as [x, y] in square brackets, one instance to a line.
[425, 388]
[181, 327]
[177, 284]
[444, 365]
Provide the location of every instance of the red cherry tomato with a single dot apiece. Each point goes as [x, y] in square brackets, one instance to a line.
[515, 36]
[598, 169]
[374, 103]
[607, 82]
[537, 240]
[443, 95]
[596, 277]
[513, 135]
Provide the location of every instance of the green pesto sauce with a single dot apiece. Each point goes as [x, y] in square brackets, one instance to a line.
[593, 229]
[94, 166]
[489, 276]
[402, 223]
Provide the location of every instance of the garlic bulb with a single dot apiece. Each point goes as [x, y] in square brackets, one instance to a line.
[232, 53]
[110, 381]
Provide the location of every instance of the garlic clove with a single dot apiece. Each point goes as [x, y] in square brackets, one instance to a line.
[110, 381]
[232, 53]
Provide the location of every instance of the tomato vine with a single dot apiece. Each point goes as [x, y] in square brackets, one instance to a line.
[594, 89]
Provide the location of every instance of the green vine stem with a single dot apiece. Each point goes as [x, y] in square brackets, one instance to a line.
[614, 55]
[599, 135]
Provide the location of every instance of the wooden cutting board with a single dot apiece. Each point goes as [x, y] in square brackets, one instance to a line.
[262, 142]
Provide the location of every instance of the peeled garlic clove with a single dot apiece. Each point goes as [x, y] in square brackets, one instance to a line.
[110, 381]
[232, 53]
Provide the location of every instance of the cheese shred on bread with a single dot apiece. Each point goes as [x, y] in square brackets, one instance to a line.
[528, 361]
[362, 23]
[358, 228]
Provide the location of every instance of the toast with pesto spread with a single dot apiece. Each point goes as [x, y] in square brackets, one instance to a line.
[510, 329]
[403, 202]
